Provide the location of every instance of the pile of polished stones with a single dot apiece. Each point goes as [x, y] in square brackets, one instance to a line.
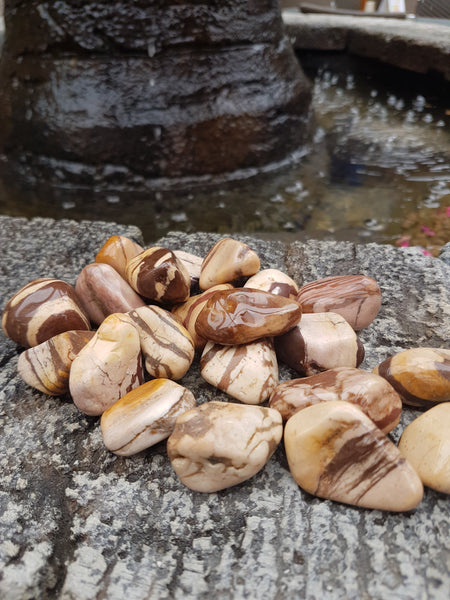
[241, 324]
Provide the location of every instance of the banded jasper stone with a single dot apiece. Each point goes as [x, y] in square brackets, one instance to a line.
[192, 263]
[42, 309]
[243, 315]
[227, 261]
[108, 367]
[144, 416]
[220, 444]
[102, 292]
[373, 394]
[188, 312]
[420, 375]
[157, 274]
[356, 297]
[334, 451]
[320, 341]
[425, 443]
[248, 372]
[167, 346]
[273, 281]
[117, 251]
[46, 367]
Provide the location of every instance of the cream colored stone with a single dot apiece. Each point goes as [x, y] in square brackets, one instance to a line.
[226, 261]
[273, 281]
[425, 443]
[220, 444]
[335, 451]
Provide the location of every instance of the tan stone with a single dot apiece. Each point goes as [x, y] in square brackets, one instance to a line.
[227, 261]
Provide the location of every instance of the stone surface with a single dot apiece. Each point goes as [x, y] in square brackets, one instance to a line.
[76, 521]
[227, 261]
[117, 251]
[273, 281]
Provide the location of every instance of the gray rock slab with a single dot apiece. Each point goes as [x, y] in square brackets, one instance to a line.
[408, 44]
[77, 522]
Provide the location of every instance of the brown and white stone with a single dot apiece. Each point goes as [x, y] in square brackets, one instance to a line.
[108, 367]
[227, 261]
[335, 451]
[220, 444]
[167, 346]
[42, 309]
[373, 394]
[320, 341]
[242, 315]
[248, 372]
[157, 274]
[356, 297]
[192, 263]
[425, 444]
[46, 367]
[102, 292]
[144, 416]
[188, 311]
[273, 281]
[117, 251]
[420, 375]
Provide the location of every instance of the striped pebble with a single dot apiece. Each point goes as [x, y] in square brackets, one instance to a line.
[192, 264]
[220, 444]
[46, 367]
[108, 367]
[227, 261]
[145, 416]
[102, 292]
[157, 274]
[420, 375]
[273, 281]
[117, 251]
[167, 346]
[355, 297]
[248, 372]
[373, 394]
[42, 309]
[320, 341]
[334, 451]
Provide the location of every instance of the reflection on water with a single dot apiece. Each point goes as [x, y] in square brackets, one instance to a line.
[381, 154]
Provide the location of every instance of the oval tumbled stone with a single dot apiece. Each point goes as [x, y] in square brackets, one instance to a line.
[42, 309]
[355, 297]
[373, 394]
[420, 375]
[334, 451]
[144, 416]
[46, 366]
[108, 367]
[220, 444]
[273, 281]
[117, 251]
[425, 443]
[227, 261]
[243, 315]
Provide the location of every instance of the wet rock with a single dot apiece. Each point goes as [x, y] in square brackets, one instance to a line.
[219, 444]
[227, 261]
[274, 281]
[248, 372]
[425, 444]
[371, 393]
[192, 264]
[335, 451]
[144, 416]
[117, 251]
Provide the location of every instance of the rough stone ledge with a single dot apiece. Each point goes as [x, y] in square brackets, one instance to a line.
[408, 44]
[78, 522]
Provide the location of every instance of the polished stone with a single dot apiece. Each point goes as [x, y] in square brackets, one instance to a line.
[227, 261]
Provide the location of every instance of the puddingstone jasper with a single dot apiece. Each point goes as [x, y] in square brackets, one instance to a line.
[320, 341]
[220, 444]
[242, 315]
[227, 261]
[373, 394]
[117, 251]
[420, 375]
[425, 443]
[144, 416]
[355, 297]
[102, 292]
[46, 367]
[334, 451]
[273, 281]
[42, 309]
[108, 367]
[157, 274]
[248, 372]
